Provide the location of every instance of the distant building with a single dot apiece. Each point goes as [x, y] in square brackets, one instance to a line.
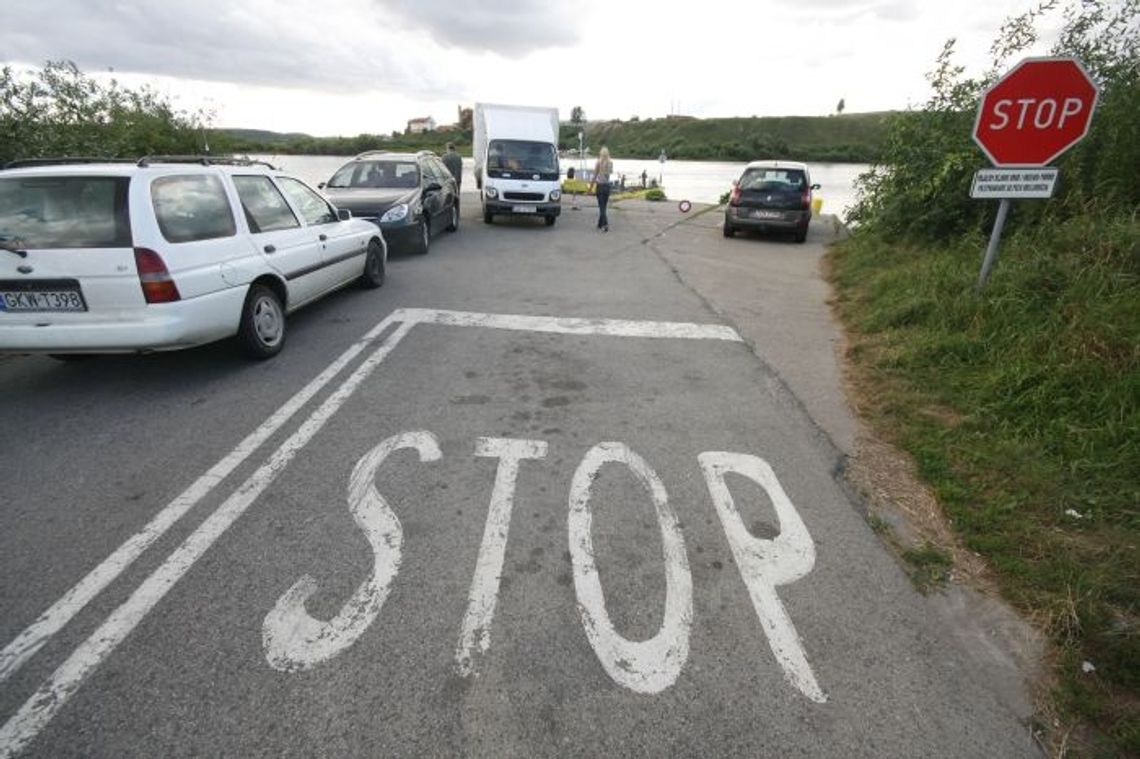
[418, 126]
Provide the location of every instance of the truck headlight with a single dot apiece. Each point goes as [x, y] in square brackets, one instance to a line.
[395, 213]
[491, 192]
[556, 194]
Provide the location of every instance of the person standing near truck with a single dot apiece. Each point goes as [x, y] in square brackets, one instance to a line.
[454, 163]
[600, 184]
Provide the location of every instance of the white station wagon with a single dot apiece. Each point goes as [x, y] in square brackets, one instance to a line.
[168, 253]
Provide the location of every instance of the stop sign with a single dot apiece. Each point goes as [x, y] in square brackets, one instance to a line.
[1037, 111]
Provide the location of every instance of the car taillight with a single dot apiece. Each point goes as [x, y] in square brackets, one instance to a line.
[735, 199]
[157, 284]
[805, 199]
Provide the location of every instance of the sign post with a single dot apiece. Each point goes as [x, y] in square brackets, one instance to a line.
[1028, 118]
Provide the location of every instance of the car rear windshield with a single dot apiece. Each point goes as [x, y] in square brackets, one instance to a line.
[65, 212]
[773, 180]
[395, 174]
[522, 155]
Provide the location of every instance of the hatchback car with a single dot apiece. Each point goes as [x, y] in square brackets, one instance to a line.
[161, 254]
[411, 196]
[771, 195]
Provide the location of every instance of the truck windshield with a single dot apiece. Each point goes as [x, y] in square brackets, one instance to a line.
[522, 155]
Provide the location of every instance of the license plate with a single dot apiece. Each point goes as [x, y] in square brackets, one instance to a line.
[41, 300]
[759, 213]
[523, 209]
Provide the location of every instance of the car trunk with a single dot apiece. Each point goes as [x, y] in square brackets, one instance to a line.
[66, 253]
[775, 189]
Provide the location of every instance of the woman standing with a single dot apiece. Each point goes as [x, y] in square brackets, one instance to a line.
[601, 183]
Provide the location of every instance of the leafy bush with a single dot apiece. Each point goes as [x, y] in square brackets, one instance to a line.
[1021, 408]
[59, 111]
[655, 194]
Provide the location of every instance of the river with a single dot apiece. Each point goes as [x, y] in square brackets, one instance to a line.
[698, 181]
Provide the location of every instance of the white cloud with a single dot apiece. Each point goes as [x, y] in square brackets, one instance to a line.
[369, 65]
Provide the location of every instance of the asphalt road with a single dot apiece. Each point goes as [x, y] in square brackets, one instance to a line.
[539, 495]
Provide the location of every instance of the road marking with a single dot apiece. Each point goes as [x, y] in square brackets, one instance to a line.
[648, 666]
[294, 640]
[574, 326]
[763, 563]
[476, 629]
[55, 692]
[31, 640]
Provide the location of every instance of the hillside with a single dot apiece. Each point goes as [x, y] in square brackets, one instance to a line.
[855, 137]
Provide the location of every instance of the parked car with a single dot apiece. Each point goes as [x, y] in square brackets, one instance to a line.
[411, 196]
[162, 253]
[771, 195]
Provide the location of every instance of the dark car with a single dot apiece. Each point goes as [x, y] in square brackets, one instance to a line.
[771, 195]
[411, 196]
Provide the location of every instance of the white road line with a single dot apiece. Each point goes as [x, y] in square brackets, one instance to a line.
[51, 696]
[484, 594]
[643, 666]
[292, 638]
[766, 563]
[27, 643]
[576, 326]
[54, 693]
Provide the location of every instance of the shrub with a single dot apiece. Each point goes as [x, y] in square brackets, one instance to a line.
[655, 194]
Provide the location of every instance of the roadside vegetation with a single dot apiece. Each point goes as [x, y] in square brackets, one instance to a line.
[1020, 405]
[60, 111]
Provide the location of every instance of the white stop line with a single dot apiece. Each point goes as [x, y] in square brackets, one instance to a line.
[294, 640]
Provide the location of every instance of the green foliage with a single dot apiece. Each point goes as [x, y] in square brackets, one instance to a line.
[655, 194]
[850, 137]
[60, 111]
[1021, 408]
[919, 190]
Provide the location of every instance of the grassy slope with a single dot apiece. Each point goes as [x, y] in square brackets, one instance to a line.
[1022, 410]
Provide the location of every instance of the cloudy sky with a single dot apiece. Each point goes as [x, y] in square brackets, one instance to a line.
[331, 67]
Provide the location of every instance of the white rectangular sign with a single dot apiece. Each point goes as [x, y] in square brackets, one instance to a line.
[1013, 183]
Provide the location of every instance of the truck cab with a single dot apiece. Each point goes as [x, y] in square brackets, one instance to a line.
[516, 157]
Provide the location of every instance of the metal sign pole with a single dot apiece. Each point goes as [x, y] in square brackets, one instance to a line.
[992, 248]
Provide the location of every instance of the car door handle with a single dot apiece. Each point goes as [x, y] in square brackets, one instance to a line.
[270, 248]
[322, 238]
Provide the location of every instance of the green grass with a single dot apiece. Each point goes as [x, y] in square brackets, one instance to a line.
[1021, 408]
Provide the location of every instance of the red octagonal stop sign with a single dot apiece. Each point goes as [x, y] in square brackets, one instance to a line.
[1037, 111]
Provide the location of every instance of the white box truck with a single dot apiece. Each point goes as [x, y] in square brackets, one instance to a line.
[516, 160]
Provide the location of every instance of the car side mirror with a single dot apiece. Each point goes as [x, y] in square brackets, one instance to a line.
[321, 186]
[343, 214]
[815, 186]
[433, 187]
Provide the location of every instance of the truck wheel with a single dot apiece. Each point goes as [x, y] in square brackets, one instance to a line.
[487, 217]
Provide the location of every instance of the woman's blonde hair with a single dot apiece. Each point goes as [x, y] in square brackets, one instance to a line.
[604, 153]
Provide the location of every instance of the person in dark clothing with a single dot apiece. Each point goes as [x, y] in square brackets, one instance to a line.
[454, 163]
[602, 170]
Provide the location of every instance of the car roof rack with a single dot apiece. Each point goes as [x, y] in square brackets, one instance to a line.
[204, 160]
[368, 153]
[21, 163]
